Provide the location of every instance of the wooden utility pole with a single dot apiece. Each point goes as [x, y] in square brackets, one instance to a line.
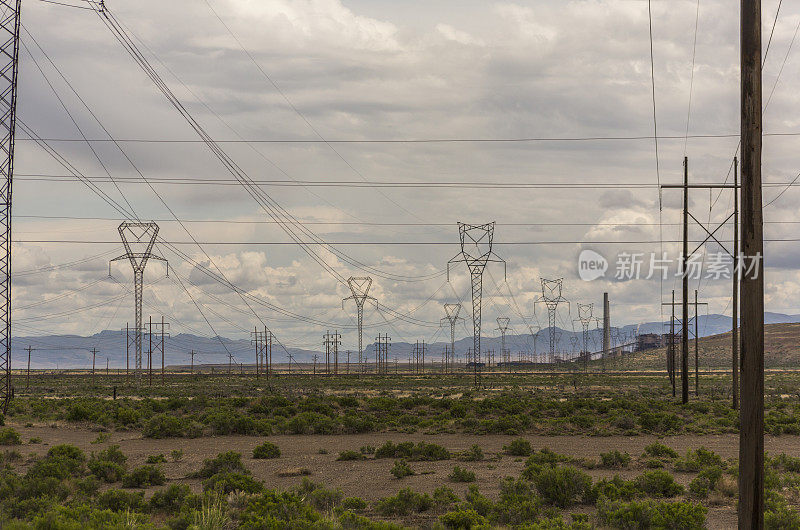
[28, 373]
[191, 369]
[735, 275]
[106, 366]
[163, 348]
[672, 345]
[150, 353]
[94, 354]
[685, 288]
[127, 350]
[751, 417]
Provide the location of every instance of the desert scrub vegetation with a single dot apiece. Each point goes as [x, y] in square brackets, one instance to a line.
[518, 447]
[422, 451]
[614, 459]
[401, 469]
[510, 412]
[460, 474]
[9, 436]
[651, 514]
[266, 450]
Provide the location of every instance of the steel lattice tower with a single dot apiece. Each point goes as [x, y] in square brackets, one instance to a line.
[585, 317]
[452, 318]
[359, 287]
[502, 326]
[476, 252]
[138, 236]
[551, 297]
[9, 65]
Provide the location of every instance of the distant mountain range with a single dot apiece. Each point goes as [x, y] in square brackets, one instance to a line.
[73, 351]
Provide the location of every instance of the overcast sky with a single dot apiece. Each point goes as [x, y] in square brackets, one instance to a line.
[385, 70]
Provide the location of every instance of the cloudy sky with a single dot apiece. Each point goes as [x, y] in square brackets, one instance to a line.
[333, 77]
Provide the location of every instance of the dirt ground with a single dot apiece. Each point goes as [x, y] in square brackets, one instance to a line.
[371, 479]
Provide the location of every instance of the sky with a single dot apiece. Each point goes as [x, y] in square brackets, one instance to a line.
[315, 101]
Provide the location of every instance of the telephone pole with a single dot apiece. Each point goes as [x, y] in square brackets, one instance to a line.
[28, 372]
[9, 64]
[191, 369]
[751, 430]
[138, 239]
[94, 354]
[476, 253]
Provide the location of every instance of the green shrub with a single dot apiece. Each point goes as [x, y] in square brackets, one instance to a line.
[464, 520]
[354, 503]
[651, 514]
[164, 426]
[407, 450]
[473, 454]
[156, 459]
[273, 509]
[228, 482]
[616, 488]
[546, 456]
[659, 450]
[518, 503]
[401, 469]
[614, 459]
[113, 454]
[444, 497]
[176, 454]
[462, 475]
[120, 500]
[9, 436]
[781, 517]
[518, 447]
[230, 461]
[405, 502]
[786, 463]
[143, 477]
[697, 460]
[562, 486]
[106, 470]
[266, 450]
[700, 487]
[349, 455]
[171, 499]
[658, 483]
[367, 449]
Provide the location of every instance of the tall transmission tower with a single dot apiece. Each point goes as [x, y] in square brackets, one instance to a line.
[138, 239]
[452, 318]
[502, 326]
[476, 252]
[586, 317]
[9, 64]
[359, 287]
[551, 297]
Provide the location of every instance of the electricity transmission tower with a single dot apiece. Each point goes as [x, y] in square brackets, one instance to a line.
[476, 252]
[551, 297]
[452, 318]
[138, 239]
[359, 287]
[585, 317]
[502, 326]
[9, 63]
